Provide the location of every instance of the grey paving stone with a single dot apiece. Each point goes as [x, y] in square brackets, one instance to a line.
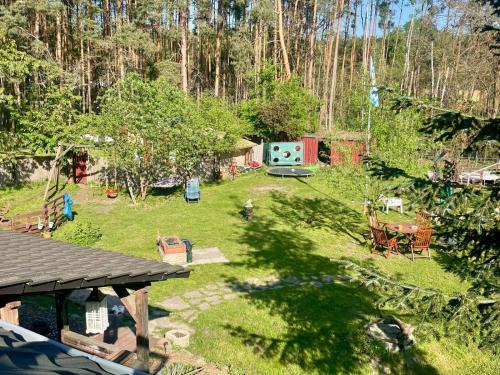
[314, 277]
[175, 303]
[193, 294]
[204, 306]
[345, 278]
[316, 284]
[186, 314]
[196, 301]
[291, 280]
[211, 286]
[212, 298]
[230, 296]
[212, 292]
[327, 278]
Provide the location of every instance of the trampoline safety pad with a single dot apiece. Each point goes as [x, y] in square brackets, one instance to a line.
[290, 172]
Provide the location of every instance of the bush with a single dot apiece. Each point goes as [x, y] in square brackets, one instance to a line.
[82, 233]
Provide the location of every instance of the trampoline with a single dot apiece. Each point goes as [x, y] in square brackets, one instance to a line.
[290, 172]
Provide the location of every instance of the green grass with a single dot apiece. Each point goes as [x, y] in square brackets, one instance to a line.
[288, 331]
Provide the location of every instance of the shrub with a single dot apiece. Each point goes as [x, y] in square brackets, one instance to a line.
[82, 233]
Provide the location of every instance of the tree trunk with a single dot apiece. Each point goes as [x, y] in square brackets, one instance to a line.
[218, 37]
[119, 21]
[353, 48]
[312, 40]
[184, 68]
[333, 87]
[284, 52]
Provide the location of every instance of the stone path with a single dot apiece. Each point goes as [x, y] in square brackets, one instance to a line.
[190, 304]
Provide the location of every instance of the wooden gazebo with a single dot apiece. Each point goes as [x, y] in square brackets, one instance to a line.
[33, 265]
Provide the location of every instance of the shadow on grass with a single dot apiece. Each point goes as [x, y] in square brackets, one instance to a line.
[324, 325]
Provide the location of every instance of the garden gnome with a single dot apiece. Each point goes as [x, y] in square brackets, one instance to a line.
[248, 206]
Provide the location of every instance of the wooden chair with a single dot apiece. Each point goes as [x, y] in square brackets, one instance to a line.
[383, 242]
[4, 211]
[420, 243]
[423, 219]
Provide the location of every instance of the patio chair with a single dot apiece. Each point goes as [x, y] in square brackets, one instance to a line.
[4, 211]
[421, 242]
[423, 219]
[192, 192]
[382, 242]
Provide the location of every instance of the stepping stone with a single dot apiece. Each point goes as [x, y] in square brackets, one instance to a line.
[230, 296]
[175, 303]
[186, 314]
[304, 277]
[316, 284]
[193, 317]
[211, 286]
[196, 301]
[291, 280]
[158, 323]
[304, 283]
[345, 278]
[277, 286]
[212, 298]
[212, 292]
[314, 277]
[327, 278]
[204, 306]
[253, 281]
[194, 294]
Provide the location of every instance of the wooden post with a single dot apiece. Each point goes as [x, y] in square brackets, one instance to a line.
[61, 314]
[141, 327]
[9, 311]
[127, 300]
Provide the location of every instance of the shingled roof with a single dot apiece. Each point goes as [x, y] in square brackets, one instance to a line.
[31, 264]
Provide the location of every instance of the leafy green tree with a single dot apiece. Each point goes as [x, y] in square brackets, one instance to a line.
[282, 110]
[157, 130]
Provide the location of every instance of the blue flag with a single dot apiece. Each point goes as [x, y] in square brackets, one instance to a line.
[373, 90]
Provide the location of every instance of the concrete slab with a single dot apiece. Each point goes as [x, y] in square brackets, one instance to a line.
[207, 256]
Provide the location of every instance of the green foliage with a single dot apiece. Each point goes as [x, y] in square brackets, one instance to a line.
[282, 110]
[467, 219]
[157, 130]
[36, 110]
[226, 128]
[84, 233]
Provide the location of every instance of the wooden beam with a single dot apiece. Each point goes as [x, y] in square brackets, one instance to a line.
[62, 320]
[141, 327]
[9, 310]
[127, 300]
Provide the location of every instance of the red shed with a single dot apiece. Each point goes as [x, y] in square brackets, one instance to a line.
[310, 148]
[352, 143]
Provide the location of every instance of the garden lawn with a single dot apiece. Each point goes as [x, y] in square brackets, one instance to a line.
[299, 225]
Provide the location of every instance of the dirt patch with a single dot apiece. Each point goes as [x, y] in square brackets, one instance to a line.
[271, 188]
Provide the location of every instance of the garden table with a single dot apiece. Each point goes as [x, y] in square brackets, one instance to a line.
[408, 230]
